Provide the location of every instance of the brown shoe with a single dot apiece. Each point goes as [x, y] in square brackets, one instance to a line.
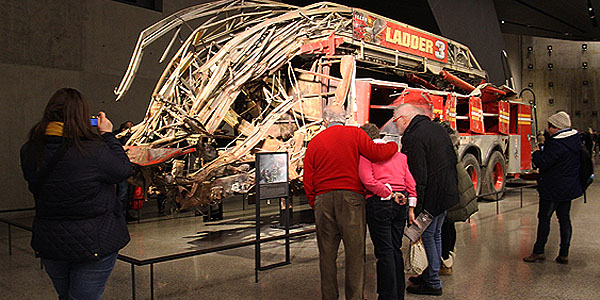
[534, 257]
[445, 271]
[562, 259]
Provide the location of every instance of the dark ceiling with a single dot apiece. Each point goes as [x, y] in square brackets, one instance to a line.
[561, 19]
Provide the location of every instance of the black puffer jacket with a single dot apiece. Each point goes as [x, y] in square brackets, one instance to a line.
[432, 162]
[77, 216]
[559, 167]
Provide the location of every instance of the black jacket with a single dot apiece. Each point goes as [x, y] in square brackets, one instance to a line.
[77, 215]
[559, 167]
[432, 162]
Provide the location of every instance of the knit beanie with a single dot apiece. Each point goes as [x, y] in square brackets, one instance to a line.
[560, 120]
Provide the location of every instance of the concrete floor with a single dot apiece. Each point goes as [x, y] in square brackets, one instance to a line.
[488, 260]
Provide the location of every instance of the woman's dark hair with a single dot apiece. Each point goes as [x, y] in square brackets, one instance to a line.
[67, 105]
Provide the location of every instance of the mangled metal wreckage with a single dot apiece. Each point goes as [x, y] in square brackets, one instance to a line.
[254, 76]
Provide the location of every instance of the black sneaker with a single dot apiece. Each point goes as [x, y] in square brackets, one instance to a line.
[418, 280]
[424, 289]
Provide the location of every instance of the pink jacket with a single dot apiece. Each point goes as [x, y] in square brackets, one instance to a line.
[394, 171]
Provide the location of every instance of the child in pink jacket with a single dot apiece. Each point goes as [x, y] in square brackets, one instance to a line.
[388, 185]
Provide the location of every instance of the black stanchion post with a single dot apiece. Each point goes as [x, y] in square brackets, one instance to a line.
[244, 201]
[497, 204]
[151, 281]
[9, 240]
[287, 229]
[132, 282]
[521, 190]
[584, 197]
[257, 245]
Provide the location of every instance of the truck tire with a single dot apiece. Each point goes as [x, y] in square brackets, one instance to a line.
[494, 176]
[472, 166]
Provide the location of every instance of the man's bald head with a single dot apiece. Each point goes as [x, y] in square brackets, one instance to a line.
[404, 114]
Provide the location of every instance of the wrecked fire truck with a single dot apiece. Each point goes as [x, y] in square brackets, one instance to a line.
[254, 76]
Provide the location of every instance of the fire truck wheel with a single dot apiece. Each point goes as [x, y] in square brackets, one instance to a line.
[472, 166]
[494, 176]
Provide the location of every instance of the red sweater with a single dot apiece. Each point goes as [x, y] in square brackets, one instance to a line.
[331, 160]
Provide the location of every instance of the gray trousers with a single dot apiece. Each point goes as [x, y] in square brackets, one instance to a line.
[340, 216]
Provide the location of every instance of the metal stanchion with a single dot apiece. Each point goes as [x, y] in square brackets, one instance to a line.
[521, 190]
[151, 281]
[132, 282]
[9, 240]
[497, 200]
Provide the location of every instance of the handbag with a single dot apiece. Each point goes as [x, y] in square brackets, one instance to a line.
[416, 260]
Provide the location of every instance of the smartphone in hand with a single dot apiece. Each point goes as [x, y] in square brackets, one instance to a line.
[94, 121]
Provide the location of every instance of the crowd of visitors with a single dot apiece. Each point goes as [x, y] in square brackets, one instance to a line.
[353, 180]
[341, 166]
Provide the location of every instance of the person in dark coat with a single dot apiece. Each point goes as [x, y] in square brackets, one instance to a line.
[587, 138]
[71, 169]
[461, 211]
[558, 183]
[124, 189]
[432, 162]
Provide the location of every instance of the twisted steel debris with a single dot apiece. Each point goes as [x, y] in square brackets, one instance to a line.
[254, 76]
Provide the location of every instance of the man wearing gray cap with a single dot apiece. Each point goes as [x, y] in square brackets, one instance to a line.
[558, 161]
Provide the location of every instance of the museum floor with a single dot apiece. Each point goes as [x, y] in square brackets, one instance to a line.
[488, 262]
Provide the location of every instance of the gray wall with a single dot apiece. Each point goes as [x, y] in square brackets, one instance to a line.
[85, 44]
[473, 23]
[567, 75]
[512, 45]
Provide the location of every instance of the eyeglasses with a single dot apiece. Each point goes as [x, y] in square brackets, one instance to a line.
[394, 120]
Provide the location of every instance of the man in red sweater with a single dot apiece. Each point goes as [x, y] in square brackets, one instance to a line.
[336, 194]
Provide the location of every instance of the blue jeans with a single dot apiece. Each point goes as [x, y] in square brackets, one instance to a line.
[432, 241]
[563, 211]
[80, 281]
[386, 220]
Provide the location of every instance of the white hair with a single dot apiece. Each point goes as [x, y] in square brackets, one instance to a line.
[409, 110]
[334, 114]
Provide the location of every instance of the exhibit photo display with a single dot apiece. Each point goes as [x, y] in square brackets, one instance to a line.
[273, 168]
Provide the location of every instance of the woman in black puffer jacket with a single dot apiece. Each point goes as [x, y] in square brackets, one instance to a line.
[72, 170]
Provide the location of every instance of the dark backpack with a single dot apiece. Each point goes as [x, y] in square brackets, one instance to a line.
[586, 169]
